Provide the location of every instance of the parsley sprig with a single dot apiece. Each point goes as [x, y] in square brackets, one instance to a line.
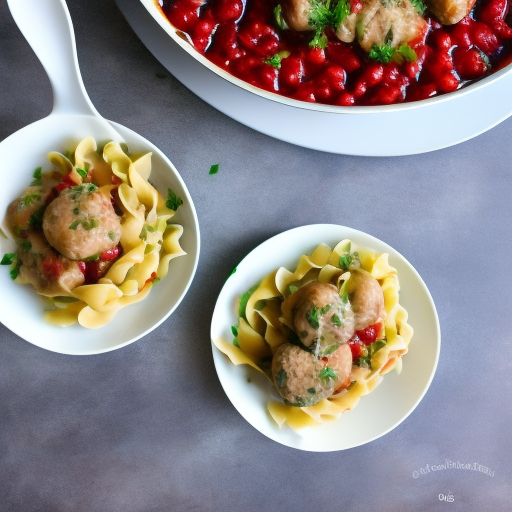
[385, 53]
[12, 259]
[173, 201]
[326, 14]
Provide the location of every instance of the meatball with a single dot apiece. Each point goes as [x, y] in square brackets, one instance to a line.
[396, 18]
[49, 273]
[367, 299]
[320, 318]
[340, 362]
[300, 377]
[296, 14]
[81, 223]
[449, 12]
[26, 212]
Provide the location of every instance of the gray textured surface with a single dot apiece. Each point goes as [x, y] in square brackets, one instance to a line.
[148, 427]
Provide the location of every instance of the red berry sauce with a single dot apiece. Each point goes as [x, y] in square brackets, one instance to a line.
[241, 36]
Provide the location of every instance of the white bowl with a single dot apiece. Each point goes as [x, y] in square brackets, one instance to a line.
[419, 126]
[377, 413]
[22, 308]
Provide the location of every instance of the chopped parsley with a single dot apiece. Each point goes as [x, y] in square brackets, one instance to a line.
[8, 258]
[87, 224]
[173, 201]
[312, 317]
[275, 60]
[312, 391]
[244, 298]
[366, 359]
[234, 330]
[328, 373]
[278, 15]
[82, 172]
[385, 53]
[281, 378]
[111, 235]
[214, 169]
[420, 6]
[76, 211]
[325, 14]
[349, 260]
[76, 191]
[35, 221]
[36, 182]
[314, 312]
[30, 198]
[94, 257]
[143, 234]
[12, 260]
[335, 319]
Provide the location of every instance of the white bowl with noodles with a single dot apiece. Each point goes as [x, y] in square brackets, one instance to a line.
[376, 413]
[22, 308]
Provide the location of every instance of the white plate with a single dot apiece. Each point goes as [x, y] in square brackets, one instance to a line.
[22, 308]
[430, 125]
[377, 413]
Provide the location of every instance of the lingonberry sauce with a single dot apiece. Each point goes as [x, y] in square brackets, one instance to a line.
[242, 37]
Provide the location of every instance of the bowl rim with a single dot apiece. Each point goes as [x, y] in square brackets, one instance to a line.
[155, 10]
[246, 378]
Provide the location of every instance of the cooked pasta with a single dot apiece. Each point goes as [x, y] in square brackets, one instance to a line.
[334, 299]
[93, 234]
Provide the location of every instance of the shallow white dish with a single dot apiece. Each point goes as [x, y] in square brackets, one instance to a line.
[416, 128]
[22, 308]
[377, 413]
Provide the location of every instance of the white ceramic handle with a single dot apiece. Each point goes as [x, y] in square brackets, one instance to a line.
[47, 27]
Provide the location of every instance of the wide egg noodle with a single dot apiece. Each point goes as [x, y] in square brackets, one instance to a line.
[265, 330]
[148, 242]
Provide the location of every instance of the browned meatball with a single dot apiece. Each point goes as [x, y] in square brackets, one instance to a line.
[49, 273]
[367, 299]
[395, 22]
[300, 377]
[296, 14]
[340, 362]
[320, 318]
[81, 223]
[449, 12]
[26, 212]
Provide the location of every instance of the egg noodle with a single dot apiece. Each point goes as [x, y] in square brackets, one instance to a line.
[149, 242]
[263, 328]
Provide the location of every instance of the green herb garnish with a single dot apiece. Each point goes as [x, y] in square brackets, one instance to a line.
[12, 260]
[214, 169]
[8, 258]
[35, 221]
[82, 172]
[30, 198]
[335, 319]
[173, 201]
[280, 378]
[385, 53]
[312, 317]
[244, 298]
[420, 6]
[278, 15]
[87, 224]
[36, 182]
[328, 373]
[325, 14]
